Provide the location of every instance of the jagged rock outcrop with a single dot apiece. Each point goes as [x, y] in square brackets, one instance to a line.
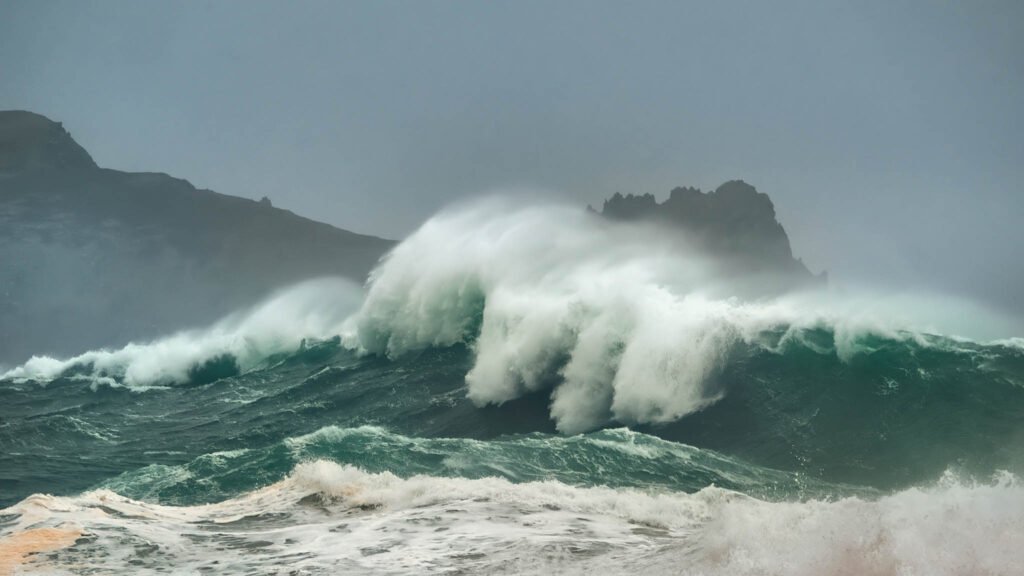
[93, 257]
[735, 223]
[31, 143]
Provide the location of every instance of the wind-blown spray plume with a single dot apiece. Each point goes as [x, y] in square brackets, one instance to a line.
[314, 309]
[625, 322]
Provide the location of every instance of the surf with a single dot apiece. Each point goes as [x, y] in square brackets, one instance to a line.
[384, 523]
[529, 388]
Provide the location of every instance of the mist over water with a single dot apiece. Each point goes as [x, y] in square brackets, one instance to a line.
[527, 387]
[626, 321]
[241, 341]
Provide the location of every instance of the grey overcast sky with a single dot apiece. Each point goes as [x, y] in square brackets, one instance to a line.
[888, 133]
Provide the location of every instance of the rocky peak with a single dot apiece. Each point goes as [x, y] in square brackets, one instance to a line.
[30, 142]
[735, 221]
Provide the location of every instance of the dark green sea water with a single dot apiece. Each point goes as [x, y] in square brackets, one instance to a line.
[800, 422]
[499, 400]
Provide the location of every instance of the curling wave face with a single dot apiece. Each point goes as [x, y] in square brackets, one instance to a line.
[625, 323]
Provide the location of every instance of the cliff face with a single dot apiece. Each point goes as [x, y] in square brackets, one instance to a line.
[735, 223]
[91, 257]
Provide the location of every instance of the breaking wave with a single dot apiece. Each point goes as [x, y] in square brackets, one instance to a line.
[410, 425]
[621, 322]
[313, 309]
[625, 323]
[325, 517]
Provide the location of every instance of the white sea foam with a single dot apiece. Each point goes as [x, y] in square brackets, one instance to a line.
[626, 323]
[621, 321]
[313, 309]
[327, 518]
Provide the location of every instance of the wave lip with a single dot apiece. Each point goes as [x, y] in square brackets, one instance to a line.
[622, 325]
[617, 325]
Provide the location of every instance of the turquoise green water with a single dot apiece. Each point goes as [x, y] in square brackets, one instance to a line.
[796, 423]
[529, 391]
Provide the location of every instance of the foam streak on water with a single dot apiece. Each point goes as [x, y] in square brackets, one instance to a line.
[327, 518]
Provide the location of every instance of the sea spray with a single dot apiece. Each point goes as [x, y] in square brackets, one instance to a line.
[411, 427]
[627, 323]
[621, 323]
[326, 517]
[313, 309]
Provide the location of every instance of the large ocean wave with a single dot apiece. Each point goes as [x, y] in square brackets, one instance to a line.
[625, 323]
[463, 413]
[621, 322]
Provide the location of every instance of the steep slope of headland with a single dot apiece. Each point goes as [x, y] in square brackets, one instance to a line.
[98, 257]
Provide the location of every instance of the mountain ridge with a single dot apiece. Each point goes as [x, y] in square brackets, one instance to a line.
[98, 257]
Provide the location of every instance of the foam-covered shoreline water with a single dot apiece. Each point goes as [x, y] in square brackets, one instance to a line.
[327, 517]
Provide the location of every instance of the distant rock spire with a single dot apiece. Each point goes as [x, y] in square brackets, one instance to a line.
[735, 222]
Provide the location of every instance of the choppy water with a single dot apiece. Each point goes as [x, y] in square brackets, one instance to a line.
[570, 413]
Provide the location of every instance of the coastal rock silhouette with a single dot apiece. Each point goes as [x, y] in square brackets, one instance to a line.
[30, 142]
[734, 223]
[93, 257]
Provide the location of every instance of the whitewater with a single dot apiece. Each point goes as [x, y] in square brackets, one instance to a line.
[525, 388]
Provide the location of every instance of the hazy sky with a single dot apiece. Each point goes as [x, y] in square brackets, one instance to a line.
[889, 134]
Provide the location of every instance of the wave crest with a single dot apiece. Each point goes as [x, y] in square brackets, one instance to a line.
[622, 322]
[313, 309]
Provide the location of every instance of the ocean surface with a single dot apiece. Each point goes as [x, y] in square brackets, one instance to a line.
[525, 392]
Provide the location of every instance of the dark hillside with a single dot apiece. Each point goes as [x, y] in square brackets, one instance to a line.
[93, 257]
